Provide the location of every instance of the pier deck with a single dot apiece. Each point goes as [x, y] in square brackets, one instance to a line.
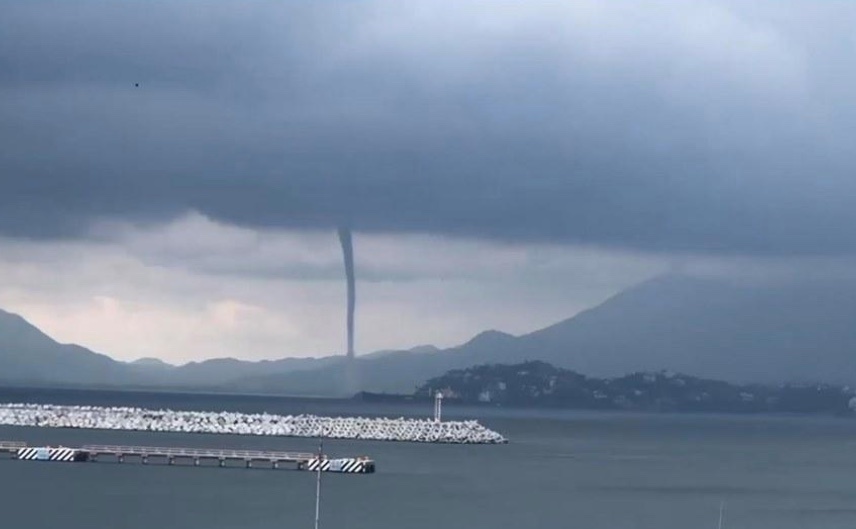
[191, 456]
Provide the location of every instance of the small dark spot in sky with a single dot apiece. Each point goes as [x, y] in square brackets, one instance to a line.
[137, 85]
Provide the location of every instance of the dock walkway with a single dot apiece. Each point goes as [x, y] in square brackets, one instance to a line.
[195, 456]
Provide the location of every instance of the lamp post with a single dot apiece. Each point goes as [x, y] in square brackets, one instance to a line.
[318, 480]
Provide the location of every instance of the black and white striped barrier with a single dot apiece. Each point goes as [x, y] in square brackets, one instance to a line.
[347, 465]
[170, 455]
[44, 453]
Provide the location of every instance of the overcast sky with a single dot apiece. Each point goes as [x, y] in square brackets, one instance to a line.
[502, 164]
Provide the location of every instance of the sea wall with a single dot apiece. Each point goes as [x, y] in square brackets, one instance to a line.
[263, 424]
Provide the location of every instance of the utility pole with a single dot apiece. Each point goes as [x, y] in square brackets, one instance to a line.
[318, 480]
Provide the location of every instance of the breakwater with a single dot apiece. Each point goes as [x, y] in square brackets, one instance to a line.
[261, 424]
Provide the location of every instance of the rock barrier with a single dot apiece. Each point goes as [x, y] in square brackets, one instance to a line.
[234, 423]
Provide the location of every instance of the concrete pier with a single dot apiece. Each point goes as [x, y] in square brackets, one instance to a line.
[192, 457]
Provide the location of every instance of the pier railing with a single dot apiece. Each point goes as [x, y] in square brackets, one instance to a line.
[197, 456]
[266, 455]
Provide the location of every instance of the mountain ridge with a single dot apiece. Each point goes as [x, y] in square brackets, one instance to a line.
[702, 327]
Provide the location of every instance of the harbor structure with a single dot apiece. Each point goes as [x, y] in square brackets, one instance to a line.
[425, 430]
[312, 462]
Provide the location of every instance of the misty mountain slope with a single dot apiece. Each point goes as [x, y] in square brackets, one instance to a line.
[219, 371]
[706, 328]
[387, 371]
[709, 328]
[151, 363]
[394, 372]
[27, 355]
[404, 371]
[713, 329]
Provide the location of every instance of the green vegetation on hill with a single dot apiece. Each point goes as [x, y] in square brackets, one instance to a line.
[544, 385]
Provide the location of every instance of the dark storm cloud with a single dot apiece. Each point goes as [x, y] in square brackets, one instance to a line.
[705, 127]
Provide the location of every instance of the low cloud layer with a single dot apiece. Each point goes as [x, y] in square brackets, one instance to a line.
[714, 127]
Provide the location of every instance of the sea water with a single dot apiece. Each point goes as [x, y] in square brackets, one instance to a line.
[560, 470]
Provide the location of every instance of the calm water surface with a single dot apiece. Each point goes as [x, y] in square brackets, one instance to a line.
[562, 470]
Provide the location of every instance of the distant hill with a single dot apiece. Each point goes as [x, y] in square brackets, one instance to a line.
[28, 356]
[386, 352]
[219, 371]
[707, 328]
[710, 328]
[539, 384]
[773, 333]
[154, 363]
